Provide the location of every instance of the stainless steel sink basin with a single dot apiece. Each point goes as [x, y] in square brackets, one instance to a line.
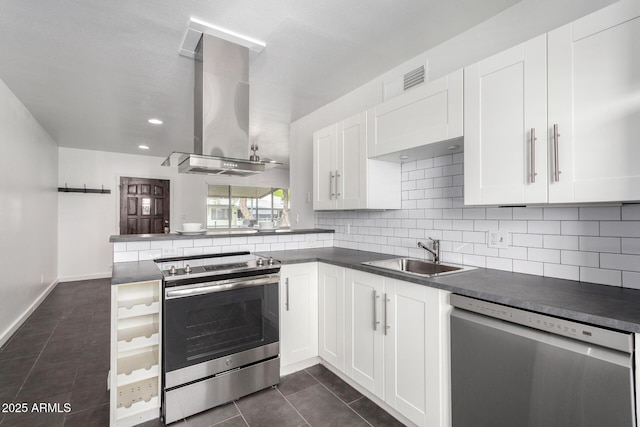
[418, 267]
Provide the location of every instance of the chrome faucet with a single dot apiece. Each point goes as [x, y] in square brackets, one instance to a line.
[435, 251]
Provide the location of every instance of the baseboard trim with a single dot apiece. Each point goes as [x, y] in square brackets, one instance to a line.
[84, 277]
[25, 315]
[298, 366]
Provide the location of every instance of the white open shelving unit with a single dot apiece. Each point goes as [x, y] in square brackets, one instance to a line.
[135, 377]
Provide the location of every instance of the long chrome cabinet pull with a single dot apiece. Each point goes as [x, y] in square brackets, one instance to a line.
[556, 161]
[533, 155]
[286, 301]
[376, 322]
[386, 318]
[331, 193]
[337, 188]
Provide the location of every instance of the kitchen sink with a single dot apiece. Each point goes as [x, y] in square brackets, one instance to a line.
[418, 267]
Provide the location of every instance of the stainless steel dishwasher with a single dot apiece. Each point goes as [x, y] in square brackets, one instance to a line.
[514, 368]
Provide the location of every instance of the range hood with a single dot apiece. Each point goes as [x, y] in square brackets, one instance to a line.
[221, 113]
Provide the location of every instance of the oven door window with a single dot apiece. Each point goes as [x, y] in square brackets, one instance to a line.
[205, 327]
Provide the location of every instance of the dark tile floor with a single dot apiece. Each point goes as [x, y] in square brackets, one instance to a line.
[61, 356]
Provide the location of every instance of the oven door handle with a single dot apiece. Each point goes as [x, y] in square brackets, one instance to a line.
[221, 286]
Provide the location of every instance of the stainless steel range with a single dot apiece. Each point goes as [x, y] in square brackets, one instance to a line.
[220, 331]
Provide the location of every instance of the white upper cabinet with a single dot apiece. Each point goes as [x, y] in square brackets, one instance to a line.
[343, 177]
[505, 153]
[555, 119]
[419, 117]
[594, 99]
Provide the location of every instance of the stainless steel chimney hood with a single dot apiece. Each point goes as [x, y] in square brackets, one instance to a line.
[221, 113]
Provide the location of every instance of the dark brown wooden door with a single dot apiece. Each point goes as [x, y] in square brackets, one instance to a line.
[144, 205]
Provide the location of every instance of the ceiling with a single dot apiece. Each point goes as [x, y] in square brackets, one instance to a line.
[92, 72]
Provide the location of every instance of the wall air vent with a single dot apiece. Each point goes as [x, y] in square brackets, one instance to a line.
[414, 78]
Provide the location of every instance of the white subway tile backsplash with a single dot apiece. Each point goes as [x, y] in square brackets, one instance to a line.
[474, 213]
[499, 263]
[424, 163]
[631, 212]
[120, 247]
[580, 228]
[125, 256]
[454, 258]
[442, 224]
[409, 166]
[474, 237]
[444, 181]
[620, 228]
[443, 160]
[433, 173]
[620, 262]
[186, 243]
[452, 213]
[483, 249]
[192, 251]
[600, 213]
[454, 236]
[416, 174]
[499, 213]
[474, 260]
[513, 226]
[600, 244]
[202, 242]
[558, 271]
[527, 240]
[585, 259]
[452, 192]
[601, 276]
[457, 158]
[528, 267]
[527, 213]
[543, 227]
[456, 169]
[514, 253]
[485, 225]
[630, 280]
[543, 255]
[561, 242]
[631, 246]
[565, 214]
[138, 246]
[462, 224]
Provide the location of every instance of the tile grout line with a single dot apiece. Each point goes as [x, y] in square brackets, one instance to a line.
[345, 403]
[240, 412]
[294, 408]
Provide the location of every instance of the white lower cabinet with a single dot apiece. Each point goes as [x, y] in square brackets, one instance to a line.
[135, 377]
[331, 314]
[298, 314]
[396, 345]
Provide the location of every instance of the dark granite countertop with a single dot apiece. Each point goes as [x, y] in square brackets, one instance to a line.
[135, 271]
[213, 234]
[608, 306]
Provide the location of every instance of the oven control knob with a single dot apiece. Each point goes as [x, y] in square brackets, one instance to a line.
[271, 261]
[187, 269]
[173, 270]
[260, 262]
[228, 362]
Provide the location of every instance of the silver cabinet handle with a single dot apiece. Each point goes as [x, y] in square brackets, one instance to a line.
[332, 194]
[533, 155]
[386, 318]
[286, 287]
[376, 322]
[556, 161]
[337, 188]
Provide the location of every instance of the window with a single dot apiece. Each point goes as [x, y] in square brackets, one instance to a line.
[230, 206]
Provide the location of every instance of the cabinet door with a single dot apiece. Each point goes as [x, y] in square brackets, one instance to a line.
[299, 312]
[324, 160]
[364, 330]
[351, 162]
[504, 101]
[421, 116]
[415, 367]
[331, 314]
[594, 76]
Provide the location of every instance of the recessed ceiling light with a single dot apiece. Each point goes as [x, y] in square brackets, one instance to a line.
[143, 147]
[155, 121]
[404, 157]
[453, 147]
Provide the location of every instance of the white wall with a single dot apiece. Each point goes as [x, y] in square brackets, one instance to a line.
[28, 212]
[523, 21]
[86, 221]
